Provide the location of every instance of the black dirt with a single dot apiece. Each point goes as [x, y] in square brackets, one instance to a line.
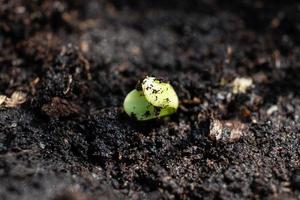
[76, 61]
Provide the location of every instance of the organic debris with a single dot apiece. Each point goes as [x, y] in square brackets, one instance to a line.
[240, 85]
[2, 99]
[17, 98]
[226, 131]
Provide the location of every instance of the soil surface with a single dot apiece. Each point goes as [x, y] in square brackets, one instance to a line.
[66, 67]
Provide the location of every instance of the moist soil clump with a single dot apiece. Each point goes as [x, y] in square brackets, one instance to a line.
[66, 67]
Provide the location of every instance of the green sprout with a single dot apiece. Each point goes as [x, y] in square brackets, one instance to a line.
[153, 98]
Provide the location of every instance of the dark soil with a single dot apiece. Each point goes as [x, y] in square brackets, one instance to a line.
[77, 60]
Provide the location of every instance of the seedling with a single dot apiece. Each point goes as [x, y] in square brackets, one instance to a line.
[153, 98]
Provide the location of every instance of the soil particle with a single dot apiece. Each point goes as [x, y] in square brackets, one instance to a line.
[71, 194]
[60, 108]
[296, 179]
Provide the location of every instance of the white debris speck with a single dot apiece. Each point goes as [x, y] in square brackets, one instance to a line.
[14, 125]
[240, 85]
[42, 146]
[272, 109]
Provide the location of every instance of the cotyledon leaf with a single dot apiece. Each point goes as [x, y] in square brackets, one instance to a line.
[159, 93]
[156, 99]
[136, 105]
